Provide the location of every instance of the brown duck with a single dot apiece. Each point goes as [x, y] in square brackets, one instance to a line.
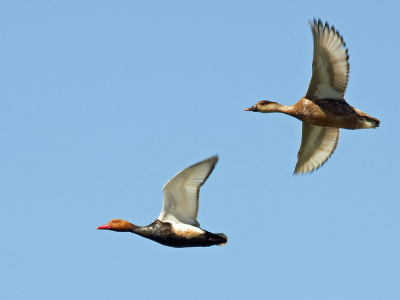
[323, 109]
[177, 224]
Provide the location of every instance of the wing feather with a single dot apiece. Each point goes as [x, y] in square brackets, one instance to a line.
[330, 69]
[317, 145]
[181, 193]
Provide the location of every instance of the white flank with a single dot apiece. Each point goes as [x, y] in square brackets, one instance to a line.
[187, 231]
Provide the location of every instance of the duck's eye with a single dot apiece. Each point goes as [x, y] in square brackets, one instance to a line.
[114, 221]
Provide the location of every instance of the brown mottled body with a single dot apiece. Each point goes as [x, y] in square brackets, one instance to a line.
[321, 112]
[328, 113]
[321, 120]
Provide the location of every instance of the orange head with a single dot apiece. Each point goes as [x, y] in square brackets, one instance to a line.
[117, 225]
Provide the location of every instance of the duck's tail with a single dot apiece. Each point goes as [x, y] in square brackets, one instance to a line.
[368, 122]
[365, 121]
[224, 237]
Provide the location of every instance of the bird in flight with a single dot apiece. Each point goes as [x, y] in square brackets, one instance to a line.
[323, 109]
[177, 224]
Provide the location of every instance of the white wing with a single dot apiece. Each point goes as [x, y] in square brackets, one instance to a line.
[181, 193]
[317, 145]
[330, 69]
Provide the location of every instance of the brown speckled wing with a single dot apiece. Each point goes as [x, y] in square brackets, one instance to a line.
[317, 145]
[330, 68]
[181, 193]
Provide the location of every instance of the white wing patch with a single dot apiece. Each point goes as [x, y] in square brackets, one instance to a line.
[187, 231]
[181, 193]
[330, 69]
[317, 145]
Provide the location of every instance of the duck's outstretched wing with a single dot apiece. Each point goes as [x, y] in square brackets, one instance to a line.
[181, 193]
[317, 145]
[330, 68]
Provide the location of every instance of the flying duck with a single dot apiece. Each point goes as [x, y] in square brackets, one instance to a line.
[323, 109]
[177, 224]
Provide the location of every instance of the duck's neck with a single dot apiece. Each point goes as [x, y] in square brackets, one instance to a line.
[135, 229]
[279, 108]
[145, 231]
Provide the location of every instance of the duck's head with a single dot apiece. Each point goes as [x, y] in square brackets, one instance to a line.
[117, 225]
[264, 106]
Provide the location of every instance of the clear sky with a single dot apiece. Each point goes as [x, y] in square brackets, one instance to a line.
[102, 102]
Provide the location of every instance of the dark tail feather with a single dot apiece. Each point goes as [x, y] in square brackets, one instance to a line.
[218, 240]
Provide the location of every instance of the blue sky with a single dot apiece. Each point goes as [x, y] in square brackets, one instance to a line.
[102, 102]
